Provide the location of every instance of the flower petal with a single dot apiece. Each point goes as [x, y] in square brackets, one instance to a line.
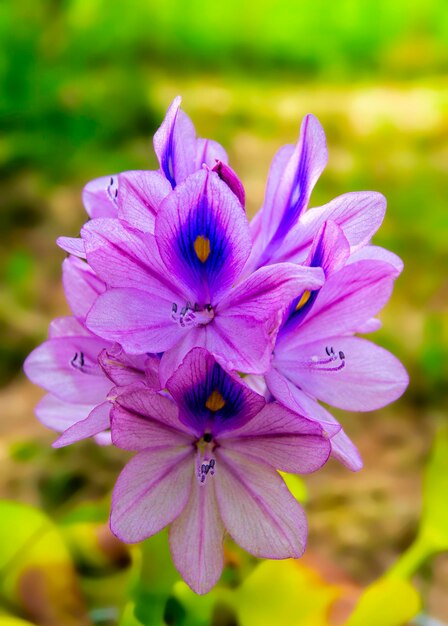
[136, 320]
[196, 539]
[98, 197]
[140, 194]
[366, 378]
[293, 190]
[358, 213]
[376, 253]
[257, 509]
[125, 258]
[96, 422]
[283, 439]
[121, 368]
[197, 380]
[203, 236]
[72, 245]
[59, 415]
[270, 289]
[142, 419]
[151, 492]
[345, 451]
[81, 286]
[68, 368]
[348, 299]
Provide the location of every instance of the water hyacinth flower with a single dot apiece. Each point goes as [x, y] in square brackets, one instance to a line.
[284, 228]
[181, 288]
[79, 369]
[135, 196]
[317, 356]
[206, 463]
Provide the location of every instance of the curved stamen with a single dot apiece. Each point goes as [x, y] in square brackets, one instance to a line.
[192, 315]
[323, 365]
[112, 189]
[79, 363]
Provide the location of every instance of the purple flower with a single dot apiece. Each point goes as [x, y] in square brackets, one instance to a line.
[79, 369]
[317, 356]
[181, 288]
[283, 230]
[206, 463]
[135, 196]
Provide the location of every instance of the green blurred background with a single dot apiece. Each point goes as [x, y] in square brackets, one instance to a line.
[84, 84]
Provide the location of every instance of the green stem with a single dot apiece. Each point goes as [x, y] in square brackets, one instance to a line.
[410, 561]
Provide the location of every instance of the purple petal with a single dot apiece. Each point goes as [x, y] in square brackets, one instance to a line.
[376, 253]
[196, 539]
[72, 245]
[66, 327]
[360, 377]
[226, 174]
[257, 509]
[151, 492]
[358, 213]
[345, 451]
[125, 258]
[99, 197]
[208, 152]
[96, 422]
[81, 285]
[270, 289]
[251, 355]
[136, 320]
[68, 367]
[142, 419]
[283, 207]
[282, 439]
[203, 236]
[196, 380]
[140, 194]
[59, 415]
[330, 249]
[121, 368]
[348, 299]
[298, 402]
[371, 326]
[172, 358]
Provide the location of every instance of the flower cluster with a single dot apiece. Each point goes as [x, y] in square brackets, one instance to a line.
[205, 343]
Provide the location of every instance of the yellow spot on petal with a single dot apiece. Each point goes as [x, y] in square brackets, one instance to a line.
[215, 401]
[202, 248]
[303, 300]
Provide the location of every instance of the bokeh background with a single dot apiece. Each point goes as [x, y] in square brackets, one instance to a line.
[83, 85]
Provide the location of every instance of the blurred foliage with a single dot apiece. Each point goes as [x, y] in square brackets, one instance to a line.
[83, 85]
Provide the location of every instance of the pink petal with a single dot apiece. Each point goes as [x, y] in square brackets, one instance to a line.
[196, 538]
[72, 245]
[142, 419]
[98, 197]
[59, 415]
[67, 327]
[370, 378]
[151, 491]
[376, 253]
[358, 213]
[81, 285]
[134, 319]
[348, 299]
[68, 367]
[140, 194]
[283, 439]
[270, 289]
[257, 509]
[97, 421]
[345, 451]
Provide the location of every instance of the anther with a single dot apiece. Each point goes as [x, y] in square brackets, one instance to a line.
[174, 308]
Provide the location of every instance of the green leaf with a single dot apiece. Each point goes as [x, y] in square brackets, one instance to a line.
[387, 602]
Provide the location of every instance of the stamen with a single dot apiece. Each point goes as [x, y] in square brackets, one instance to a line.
[206, 468]
[202, 248]
[79, 363]
[303, 300]
[323, 365]
[112, 189]
[189, 316]
[206, 464]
